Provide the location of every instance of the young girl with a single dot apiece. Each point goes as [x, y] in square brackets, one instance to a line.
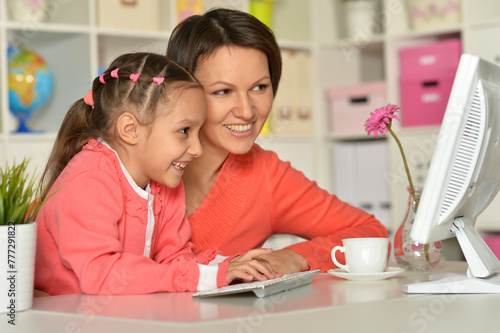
[115, 219]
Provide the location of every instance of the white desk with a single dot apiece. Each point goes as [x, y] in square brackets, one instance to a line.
[328, 304]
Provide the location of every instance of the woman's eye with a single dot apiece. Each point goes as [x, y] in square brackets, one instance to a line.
[260, 87]
[221, 92]
[184, 130]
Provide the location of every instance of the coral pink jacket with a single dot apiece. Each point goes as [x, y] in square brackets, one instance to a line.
[92, 234]
[257, 195]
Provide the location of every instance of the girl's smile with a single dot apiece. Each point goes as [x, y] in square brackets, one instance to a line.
[179, 166]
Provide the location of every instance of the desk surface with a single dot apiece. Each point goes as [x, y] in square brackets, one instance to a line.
[328, 303]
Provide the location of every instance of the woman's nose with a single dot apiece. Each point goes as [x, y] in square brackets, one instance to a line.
[244, 107]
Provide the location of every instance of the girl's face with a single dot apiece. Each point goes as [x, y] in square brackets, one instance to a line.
[163, 153]
[239, 95]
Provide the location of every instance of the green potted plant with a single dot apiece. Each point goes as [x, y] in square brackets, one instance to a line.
[18, 209]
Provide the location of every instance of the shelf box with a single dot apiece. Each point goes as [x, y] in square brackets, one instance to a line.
[426, 60]
[357, 177]
[424, 100]
[427, 74]
[493, 242]
[432, 14]
[129, 14]
[111, 47]
[292, 112]
[231, 4]
[350, 106]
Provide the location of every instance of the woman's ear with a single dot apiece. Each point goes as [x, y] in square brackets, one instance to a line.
[128, 128]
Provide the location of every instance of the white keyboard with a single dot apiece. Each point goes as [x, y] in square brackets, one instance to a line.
[263, 288]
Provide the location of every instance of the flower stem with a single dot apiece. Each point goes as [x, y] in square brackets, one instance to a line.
[426, 252]
[407, 169]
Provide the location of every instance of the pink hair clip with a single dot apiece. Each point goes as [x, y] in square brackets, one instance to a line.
[89, 98]
[114, 73]
[134, 77]
[101, 78]
[158, 80]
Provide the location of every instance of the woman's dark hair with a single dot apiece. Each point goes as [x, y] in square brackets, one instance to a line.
[114, 93]
[199, 36]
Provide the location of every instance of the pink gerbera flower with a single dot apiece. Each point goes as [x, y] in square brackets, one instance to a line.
[380, 119]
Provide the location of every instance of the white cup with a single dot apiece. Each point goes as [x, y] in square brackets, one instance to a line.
[363, 255]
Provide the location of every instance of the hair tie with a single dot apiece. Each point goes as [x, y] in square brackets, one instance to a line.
[158, 80]
[89, 98]
[134, 77]
[114, 73]
[101, 78]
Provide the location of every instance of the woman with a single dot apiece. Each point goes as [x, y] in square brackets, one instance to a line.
[238, 194]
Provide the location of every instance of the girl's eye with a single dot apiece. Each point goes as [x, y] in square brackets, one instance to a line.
[184, 130]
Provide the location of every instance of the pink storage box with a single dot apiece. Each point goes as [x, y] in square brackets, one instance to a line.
[493, 241]
[350, 106]
[427, 74]
[424, 100]
[427, 60]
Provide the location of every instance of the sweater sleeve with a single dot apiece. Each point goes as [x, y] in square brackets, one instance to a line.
[300, 207]
[85, 221]
[211, 265]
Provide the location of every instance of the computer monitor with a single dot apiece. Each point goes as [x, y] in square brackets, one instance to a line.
[463, 178]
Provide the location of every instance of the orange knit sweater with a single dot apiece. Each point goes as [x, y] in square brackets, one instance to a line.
[257, 195]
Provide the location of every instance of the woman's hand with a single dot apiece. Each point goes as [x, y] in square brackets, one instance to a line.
[286, 261]
[251, 266]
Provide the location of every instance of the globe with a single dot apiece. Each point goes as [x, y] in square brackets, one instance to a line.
[30, 84]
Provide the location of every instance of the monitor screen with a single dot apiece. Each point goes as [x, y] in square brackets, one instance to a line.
[464, 175]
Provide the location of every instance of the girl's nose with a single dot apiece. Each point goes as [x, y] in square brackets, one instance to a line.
[195, 149]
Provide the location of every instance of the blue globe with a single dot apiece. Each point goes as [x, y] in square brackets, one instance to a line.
[30, 83]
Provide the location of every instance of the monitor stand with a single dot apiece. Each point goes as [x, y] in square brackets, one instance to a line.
[482, 275]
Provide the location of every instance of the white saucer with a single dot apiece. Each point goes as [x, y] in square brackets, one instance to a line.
[389, 272]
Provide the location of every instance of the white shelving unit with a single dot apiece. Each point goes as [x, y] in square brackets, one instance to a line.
[353, 61]
[75, 47]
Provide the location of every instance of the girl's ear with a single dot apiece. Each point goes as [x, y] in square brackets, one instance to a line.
[128, 128]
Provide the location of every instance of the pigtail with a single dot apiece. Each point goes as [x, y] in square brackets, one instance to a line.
[74, 133]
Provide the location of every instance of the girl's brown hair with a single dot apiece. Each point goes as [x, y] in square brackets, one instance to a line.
[117, 95]
[198, 36]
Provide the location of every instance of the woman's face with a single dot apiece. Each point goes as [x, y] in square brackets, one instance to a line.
[239, 95]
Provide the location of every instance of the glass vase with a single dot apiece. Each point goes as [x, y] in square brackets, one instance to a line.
[411, 255]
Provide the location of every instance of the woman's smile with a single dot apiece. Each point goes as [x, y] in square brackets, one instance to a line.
[239, 128]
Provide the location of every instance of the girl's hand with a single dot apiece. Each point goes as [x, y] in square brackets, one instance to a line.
[249, 267]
